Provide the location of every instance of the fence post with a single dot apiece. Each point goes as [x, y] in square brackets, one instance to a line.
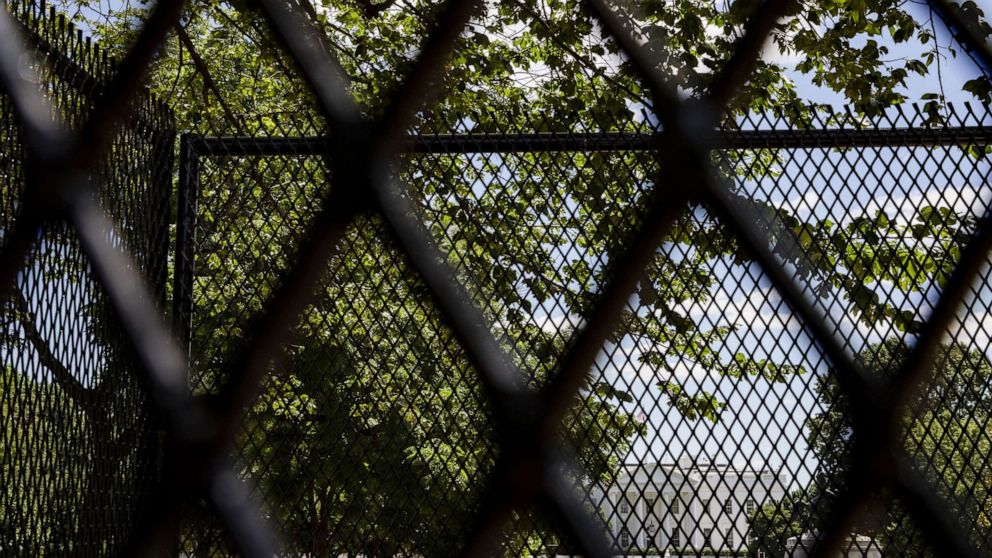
[187, 196]
[165, 164]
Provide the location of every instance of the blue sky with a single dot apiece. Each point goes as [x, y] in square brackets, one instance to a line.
[763, 422]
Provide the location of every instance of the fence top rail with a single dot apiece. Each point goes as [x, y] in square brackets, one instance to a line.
[242, 146]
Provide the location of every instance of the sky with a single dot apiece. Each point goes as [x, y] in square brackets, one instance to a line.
[764, 422]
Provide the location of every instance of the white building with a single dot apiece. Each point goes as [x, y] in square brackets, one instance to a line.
[855, 546]
[656, 508]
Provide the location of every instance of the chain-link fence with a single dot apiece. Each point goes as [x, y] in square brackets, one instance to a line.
[668, 337]
[709, 426]
[79, 449]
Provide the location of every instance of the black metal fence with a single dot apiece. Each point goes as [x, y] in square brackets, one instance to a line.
[79, 448]
[659, 339]
[370, 438]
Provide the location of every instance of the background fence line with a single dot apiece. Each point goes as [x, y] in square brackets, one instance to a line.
[854, 168]
[243, 146]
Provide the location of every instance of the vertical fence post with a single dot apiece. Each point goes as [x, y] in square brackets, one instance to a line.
[165, 163]
[187, 195]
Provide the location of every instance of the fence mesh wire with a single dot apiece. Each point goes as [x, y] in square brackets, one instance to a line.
[79, 448]
[754, 394]
[710, 424]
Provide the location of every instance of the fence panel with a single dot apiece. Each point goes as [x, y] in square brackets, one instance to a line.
[371, 436]
[79, 447]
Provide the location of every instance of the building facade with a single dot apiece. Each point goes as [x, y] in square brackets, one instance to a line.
[855, 546]
[690, 505]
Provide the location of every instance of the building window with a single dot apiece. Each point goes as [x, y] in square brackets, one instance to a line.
[676, 539]
[728, 506]
[625, 539]
[728, 539]
[750, 506]
[649, 501]
[676, 505]
[708, 538]
[624, 506]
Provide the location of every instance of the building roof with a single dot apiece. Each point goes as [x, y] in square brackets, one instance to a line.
[703, 466]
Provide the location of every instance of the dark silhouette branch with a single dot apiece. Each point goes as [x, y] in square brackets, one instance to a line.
[208, 80]
[373, 10]
[62, 376]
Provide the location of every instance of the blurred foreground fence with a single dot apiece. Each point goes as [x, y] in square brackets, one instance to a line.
[756, 347]
[371, 436]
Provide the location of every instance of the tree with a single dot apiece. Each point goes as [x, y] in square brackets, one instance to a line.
[78, 446]
[389, 386]
[772, 525]
[946, 432]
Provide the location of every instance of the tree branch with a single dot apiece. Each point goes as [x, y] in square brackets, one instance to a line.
[259, 45]
[371, 10]
[62, 376]
[208, 80]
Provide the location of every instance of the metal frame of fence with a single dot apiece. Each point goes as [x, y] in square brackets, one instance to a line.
[529, 470]
[243, 146]
[895, 131]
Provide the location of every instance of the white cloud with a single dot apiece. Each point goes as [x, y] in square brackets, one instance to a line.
[628, 364]
[557, 322]
[975, 329]
[760, 309]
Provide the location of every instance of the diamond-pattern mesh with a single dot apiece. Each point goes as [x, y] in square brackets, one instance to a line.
[711, 423]
[79, 448]
[373, 378]
[788, 368]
